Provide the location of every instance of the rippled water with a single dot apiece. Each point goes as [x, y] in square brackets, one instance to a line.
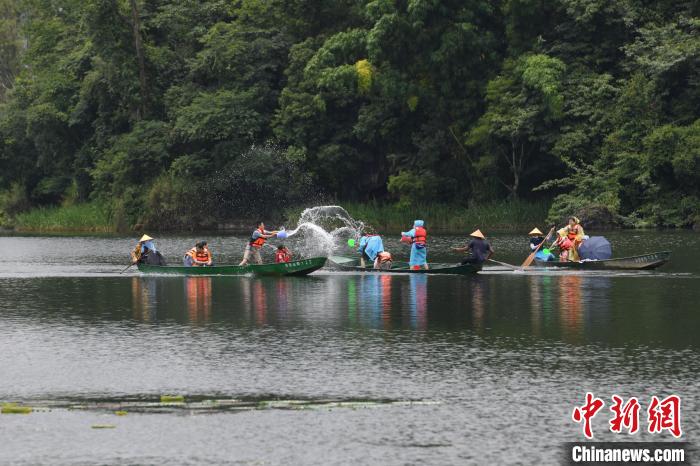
[334, 368]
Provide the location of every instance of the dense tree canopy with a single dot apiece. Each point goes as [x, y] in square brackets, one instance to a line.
[180, 106]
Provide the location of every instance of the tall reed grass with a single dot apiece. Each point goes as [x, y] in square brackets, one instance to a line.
[87, 217]
[440, 218]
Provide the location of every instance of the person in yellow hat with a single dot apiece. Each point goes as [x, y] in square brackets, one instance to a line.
[536, 238]
[145, 252]
[479, 249]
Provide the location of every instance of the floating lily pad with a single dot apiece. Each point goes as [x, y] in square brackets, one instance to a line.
[12, 408]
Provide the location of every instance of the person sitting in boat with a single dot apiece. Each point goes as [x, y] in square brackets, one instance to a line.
[569, 240]
[419, 251]
[479, 249]
[145, 252]
[255, 244]
[370, 245]
[383, 261]
[282, 254]
[198, 256]
[537, 238]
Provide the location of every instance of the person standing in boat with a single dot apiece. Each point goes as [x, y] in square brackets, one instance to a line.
[419, 239]
[255, 243]
[570, 239]
[145, 252]
[479, 249]
[370, 245]
[198, 256]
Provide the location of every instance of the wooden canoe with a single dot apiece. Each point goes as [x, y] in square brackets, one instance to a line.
[642, 262]
[353, 264]
[294, 268]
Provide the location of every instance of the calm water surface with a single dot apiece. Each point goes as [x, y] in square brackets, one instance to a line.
[334, 368]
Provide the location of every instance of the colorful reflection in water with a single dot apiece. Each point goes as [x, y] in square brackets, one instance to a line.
[198, 296]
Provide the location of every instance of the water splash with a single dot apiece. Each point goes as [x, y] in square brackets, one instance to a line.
[324, 229]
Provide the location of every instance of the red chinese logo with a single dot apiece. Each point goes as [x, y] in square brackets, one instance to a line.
[661, 415]
[587, 412]
[626, 416]
[665, 415]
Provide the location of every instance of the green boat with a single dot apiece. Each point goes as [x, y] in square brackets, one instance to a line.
[294, 268]
[353, 264]
[641, 262]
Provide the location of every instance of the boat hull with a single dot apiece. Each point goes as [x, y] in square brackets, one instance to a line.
[294, 268]
[352, 264]
[641, 262]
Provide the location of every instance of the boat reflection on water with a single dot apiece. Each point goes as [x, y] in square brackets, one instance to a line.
[198, 296]
[418, 301]
[478, 294]
[571, 308]
[144, 298]
[550, 306]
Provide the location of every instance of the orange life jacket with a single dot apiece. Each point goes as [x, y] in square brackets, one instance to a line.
[421, 236]
[259, 241]
[283, 255]
[199, 256]
[572, 232]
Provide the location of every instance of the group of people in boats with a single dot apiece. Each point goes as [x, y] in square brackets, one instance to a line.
[200, 256]
[569, 239]
[371, 248]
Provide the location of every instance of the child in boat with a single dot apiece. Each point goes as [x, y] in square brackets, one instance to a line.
[282, 255]
[383, 261]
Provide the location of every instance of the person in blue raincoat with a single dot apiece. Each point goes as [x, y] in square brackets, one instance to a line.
[369, 247]
[419, 251]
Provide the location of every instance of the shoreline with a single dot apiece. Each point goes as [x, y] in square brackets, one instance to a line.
[91, 219]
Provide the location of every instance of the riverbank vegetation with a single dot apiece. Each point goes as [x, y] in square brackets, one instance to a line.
[172, 113]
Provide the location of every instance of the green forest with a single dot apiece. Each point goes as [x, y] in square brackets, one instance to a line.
[169, 113]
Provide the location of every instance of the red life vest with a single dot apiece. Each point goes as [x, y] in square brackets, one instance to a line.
[200, 256]
[421, 236]
[572, 232]
[564, 243]
[259, 241]
[283, 255]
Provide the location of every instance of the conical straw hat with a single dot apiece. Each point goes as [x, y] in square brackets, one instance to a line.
[145, 238]
[477, 234]
[535, 231]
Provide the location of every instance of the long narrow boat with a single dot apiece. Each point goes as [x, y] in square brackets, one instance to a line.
[294, 268]
[642, 262]
[353, 264]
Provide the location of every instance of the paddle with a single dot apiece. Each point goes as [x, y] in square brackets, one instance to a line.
[531, 257]
[505, 264]
[127, 267]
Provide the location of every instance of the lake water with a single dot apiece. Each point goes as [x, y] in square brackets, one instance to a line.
[333, 368]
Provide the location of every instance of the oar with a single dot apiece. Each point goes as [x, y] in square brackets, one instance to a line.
[505, 264]
[127, 267]
[531, 257]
